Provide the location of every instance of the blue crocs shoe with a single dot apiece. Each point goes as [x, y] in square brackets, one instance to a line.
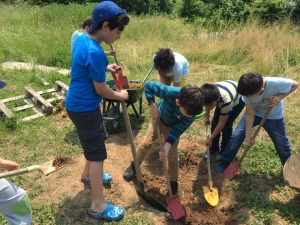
[111, 213]
[221, 166]
[107, 178]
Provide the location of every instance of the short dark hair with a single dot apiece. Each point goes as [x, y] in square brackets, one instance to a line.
[191, 99]
[118, 21]
[210, 93]
[250, 83]
[87, 22]
[164, 60]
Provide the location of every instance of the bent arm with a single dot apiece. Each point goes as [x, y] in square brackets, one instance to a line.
[105, 91]
[220, 126]
[295, 85]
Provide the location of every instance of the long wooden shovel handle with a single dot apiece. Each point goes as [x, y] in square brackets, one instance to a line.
[20, 171]
[255, 133]
[111, 47]
[164, 163]
[208, 161]
[130, 137]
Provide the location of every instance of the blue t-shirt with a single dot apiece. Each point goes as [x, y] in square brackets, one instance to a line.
[274, 86]
[89, 64]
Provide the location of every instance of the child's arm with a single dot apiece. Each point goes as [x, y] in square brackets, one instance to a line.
[9, 165]
[222, 121]
[249, 123]
[206, 118]
[111, 53]
[274, 100]
[103, 90]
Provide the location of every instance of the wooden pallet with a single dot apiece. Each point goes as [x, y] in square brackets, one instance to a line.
[35, 100]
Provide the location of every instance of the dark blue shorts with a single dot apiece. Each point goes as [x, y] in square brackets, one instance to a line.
[91, 133]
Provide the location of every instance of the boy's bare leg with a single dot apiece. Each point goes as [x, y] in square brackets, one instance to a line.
[98, 202]
[85, 172]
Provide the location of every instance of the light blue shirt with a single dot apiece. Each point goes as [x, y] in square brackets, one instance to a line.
[274, 86]
[89, 64]
[180, 69]
[74, 37]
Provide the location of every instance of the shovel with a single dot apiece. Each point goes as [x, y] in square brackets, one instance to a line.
[173, 201]
[291, 172]
[141, 187]
[46, 168]
[122, 79]
[234, 167]
[210, 193]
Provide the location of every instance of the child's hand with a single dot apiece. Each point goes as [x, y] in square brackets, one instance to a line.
[110, 67]
[124, 94]
[9, 165]
[112, 52]
[163, 155]
[208, 142]
[274, 101]
[206, 120]
[250, 141]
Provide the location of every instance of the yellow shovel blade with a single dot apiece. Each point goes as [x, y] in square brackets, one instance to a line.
[211, 196]
[47, 167]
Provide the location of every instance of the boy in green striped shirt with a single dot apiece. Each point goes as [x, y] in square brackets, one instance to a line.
[228, 105]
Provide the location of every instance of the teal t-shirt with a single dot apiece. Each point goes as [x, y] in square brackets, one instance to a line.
[89, 64]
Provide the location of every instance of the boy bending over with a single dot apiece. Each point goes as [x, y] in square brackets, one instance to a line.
[259, 93]
[174, 113]
[228, 103]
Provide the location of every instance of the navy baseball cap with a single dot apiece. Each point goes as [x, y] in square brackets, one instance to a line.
[103, 11]
[2, 84]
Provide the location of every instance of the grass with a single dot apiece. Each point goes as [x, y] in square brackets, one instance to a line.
[41, 36]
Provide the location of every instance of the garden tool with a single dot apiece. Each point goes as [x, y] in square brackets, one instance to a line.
[234, 167]
[141, 186]
[46, 168]
[210, 193]
[173, 201]
[291, 172]
[122, 80]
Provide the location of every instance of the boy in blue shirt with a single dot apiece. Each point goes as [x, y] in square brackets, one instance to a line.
[259, 93]
[87, 86]
[174, 113]
[228, 104]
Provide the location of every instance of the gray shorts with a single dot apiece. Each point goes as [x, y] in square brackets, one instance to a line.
[91, 133]
[14, 204]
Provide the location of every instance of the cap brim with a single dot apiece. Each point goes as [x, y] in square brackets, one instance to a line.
[93, 27]
[2, 84]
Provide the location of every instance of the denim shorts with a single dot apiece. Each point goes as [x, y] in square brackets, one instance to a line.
[91, 133]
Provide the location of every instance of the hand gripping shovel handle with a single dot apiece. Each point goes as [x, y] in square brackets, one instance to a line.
[20, 171]
[255, 133]
[111, 47]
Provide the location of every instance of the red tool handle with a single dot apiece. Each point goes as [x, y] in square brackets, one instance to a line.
[118, 79]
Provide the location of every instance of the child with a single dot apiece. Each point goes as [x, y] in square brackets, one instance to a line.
[228, 103]
[84, 28]
[172, 67]
[175, 113]
[87, 86]
[259, 93]
[14, 202]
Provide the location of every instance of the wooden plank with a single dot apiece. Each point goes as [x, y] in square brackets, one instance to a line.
[38, 99]
[51, 90]
[5, 110]
[60, 85]
[33, 116]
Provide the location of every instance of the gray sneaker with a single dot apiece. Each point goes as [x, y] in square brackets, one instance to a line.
[217, 154]
[129, 173]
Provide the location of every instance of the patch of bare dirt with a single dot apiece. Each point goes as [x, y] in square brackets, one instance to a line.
[192, 178]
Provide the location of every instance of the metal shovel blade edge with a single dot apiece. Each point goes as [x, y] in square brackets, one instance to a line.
[211, 196]
[175, 207]
[232, 170]
[152, 201]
